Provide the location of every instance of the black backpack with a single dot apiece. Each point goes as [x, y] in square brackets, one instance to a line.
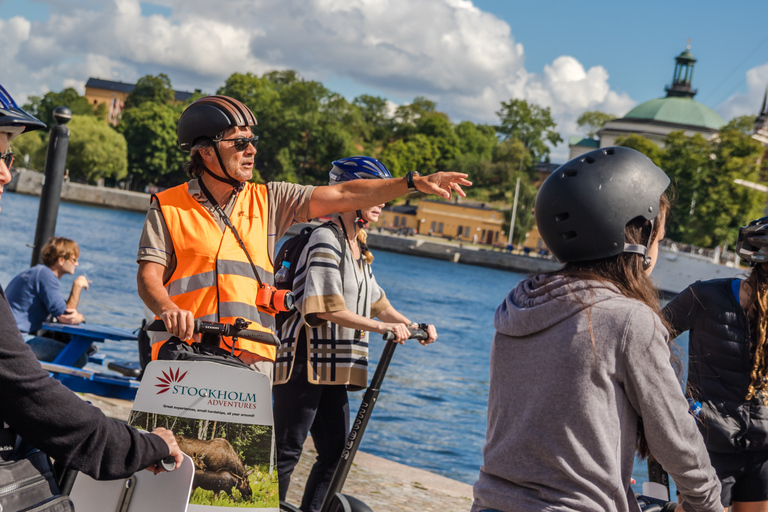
[291, 251]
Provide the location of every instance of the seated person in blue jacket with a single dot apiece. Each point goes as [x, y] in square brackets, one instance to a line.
[35, 297]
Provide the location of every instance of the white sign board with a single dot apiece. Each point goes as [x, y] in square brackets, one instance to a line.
[222, 418]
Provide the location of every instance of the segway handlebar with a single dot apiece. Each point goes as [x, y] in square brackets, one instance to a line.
[416, 334]
[235, 330]
[648, 504]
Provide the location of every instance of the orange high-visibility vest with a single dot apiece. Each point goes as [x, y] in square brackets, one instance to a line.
[213, 278]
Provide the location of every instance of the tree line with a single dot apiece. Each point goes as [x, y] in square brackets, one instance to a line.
[303, 127]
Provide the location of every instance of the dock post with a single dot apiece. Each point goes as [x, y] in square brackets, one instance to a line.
[55, 161]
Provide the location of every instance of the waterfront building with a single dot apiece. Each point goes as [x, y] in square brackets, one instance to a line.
[657, 118]
[114, 94]
[457, 221]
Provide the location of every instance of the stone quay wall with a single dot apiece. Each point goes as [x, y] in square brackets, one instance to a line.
[31, 183]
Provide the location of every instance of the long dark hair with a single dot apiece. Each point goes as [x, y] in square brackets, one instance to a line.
[757, 312]
[627, 273]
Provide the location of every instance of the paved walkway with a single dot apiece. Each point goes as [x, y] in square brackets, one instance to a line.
[383, 485]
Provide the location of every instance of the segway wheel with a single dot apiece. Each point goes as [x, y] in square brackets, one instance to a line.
[287, 507]
[346, 503]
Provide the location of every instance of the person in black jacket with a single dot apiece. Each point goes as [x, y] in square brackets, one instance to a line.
[727, 370]
[43, 411]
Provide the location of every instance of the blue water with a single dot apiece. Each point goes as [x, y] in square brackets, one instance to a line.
[431, 413]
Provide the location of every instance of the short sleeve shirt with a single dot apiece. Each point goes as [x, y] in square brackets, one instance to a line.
[288, 204]
[33, 295]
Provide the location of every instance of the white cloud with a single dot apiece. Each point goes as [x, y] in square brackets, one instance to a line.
[748, 103]
[450, 51]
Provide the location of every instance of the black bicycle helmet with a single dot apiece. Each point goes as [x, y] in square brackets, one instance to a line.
[752, 245]
[14, 120]
[207, 118]
[582, 209]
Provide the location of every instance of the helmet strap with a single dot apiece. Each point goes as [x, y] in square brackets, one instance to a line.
[229, 180]
[642, 250]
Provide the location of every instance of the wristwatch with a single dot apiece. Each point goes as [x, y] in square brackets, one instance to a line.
[409, 181]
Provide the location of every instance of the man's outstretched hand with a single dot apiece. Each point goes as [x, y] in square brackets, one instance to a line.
[442, 183]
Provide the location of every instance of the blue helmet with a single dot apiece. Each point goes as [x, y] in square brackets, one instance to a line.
[357, 167]
[13, 119]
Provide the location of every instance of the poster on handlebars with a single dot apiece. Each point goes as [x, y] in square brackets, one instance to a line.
[222, 418]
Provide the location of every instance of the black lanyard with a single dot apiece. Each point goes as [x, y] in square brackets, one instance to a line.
[229, 224]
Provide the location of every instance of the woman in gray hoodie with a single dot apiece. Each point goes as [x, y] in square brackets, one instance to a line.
[581, 378]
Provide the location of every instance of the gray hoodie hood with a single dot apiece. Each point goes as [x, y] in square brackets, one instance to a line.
[542, 301]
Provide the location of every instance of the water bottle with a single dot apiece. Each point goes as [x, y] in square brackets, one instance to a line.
[281, 276]
[695, 407]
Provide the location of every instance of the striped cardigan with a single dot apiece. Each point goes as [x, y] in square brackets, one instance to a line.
[337, 355]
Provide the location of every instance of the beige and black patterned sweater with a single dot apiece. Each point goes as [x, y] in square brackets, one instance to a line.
[337, 355]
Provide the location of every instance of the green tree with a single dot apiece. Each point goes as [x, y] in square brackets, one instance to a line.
[742, 124]
[476, 139]
[155, 157]
[710, 205]
[154, 89]
[95, 151]
[376, 122]
[644, 145]
[593, 121]
[438, 128]
[530, 124]
[43, 107]
[416, 154]
[29, 150]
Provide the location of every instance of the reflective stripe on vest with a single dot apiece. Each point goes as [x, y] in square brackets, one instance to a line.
[213, 278]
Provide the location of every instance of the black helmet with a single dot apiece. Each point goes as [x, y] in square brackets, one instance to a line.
[209, 116]
[752, 245]
[582, 209]
[13, 119]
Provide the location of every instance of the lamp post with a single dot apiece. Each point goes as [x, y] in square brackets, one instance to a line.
[55, 160]
[514, 212]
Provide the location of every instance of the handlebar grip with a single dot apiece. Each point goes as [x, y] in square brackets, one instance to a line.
[416, 334]
[168, 463]
[155, 326]
[264, 337]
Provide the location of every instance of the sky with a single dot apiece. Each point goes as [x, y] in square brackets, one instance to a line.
[466, 55]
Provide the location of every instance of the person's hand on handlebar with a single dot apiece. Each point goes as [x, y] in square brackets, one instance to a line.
[432, 335]
[400, 330]
[179, 322]
[173, 448]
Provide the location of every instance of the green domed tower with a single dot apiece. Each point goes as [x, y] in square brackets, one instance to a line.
[656, 118]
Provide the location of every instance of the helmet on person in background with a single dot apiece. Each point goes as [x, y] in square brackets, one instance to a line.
[13, 120]
[206, 119]
[357, 167]
[583, 208]
[752, 245]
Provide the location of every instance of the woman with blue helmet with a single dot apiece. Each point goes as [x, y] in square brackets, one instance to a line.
[336, 303]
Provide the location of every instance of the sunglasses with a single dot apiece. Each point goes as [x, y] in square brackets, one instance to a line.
[241, 143]
[7, 158]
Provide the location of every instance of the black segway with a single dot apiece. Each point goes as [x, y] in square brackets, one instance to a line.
[335, 500]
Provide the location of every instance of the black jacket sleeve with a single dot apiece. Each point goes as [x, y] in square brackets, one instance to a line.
[681, 311]
[53, 419]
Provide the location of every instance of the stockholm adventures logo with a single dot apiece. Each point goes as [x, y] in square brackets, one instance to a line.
[169, 379]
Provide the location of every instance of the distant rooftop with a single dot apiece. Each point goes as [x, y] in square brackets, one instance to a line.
[109, 85]
[578, 140]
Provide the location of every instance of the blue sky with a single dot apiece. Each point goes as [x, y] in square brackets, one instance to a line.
[468, 56]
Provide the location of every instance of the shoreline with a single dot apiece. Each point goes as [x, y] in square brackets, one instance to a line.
[384, 485]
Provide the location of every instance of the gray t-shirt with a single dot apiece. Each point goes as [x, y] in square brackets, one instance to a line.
[288, 204]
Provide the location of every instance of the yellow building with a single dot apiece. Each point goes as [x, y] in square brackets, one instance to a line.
[114, 94]
[460, 221]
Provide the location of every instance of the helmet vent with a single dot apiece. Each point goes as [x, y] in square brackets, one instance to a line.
[568, 235]
[570, 173]
[589, 159]
[608, 151]
[561, 217]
